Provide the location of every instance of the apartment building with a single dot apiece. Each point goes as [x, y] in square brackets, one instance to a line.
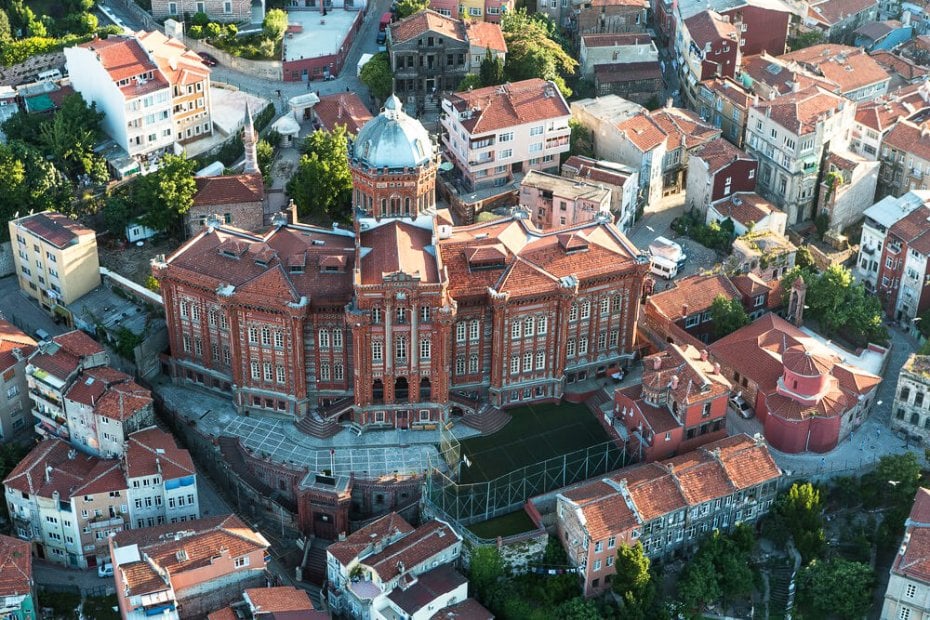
[716, 170]
[489, 11]
[878, 219]
[189, 78]
[907, 596]
[724, 103]
[66, 504]
[186, 572]
[911, 407]
[838, 19]
[387, 555]
[905, 158]
[857, 75]
[483, 38]
[17, 588]
[769, 76]
[615, 49]
[706, 46]
[161, 480]
[55, 257]
[789, 135]
[903, 277]
[846, 190]
[669, 506]
[102, 407]
[874, 119]
[224, 11]
[15, 348]
[680, 405]
[50, 372]
[556, 202]
[120, 76]
[491, 134]
[622, 181]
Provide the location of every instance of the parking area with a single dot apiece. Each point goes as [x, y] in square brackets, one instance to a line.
[23, 311]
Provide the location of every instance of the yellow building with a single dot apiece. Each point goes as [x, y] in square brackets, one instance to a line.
[56, 258]
[190, 84]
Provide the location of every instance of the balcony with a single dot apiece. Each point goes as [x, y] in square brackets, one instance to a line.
[553, 143]
[48, 400]
[46, 429]
[102, 522]
[484, 158]
[481, 144]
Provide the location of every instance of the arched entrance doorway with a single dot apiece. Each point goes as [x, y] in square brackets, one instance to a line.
[377, 391]
[426, 390]
[401, 390]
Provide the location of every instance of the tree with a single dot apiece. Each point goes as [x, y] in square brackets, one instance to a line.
[532, 52]
[633, 577]
[165, 196]
[728, 315]
[29, 183]
[406, 8]
[6, 33]
[70, 136]
[200, 19]
[578, 609]
[265, 153]
[230, 31]
[698, 584]
[580, 141]
[486, 569]
[799, 514]
[836, 588]
[322, 185]
[806, 39]
[377, 76]
[803, 258]
[491, 72]
[470, 82]
[195, 32]
[275, 24]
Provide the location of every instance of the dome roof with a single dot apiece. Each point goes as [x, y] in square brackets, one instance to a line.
[393, 139]
[800, 361]
[287, 125]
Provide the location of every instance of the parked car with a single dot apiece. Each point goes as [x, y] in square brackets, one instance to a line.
[105, 570]
[741, 407]
[208, 59]
[381, 38]
[41, 334]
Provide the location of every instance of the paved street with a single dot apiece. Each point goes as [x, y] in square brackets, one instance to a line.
[23, 311]
[47, 574]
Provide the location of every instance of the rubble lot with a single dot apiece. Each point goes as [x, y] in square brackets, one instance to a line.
[133, 261]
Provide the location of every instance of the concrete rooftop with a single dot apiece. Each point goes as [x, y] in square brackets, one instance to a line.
[321, 36]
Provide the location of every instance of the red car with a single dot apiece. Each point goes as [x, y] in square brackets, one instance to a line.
[207, 59]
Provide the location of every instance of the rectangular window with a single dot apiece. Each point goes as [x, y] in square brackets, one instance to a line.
[540, 360]
[516, 329]
[910, 591]
[377, 351]
[323, 339]
[527, 362]
[542, 325]
[266, 367]
[242, 562]
[460, 331]
[473, 364]
[515, 364]
[474, 330]
[536, 131]
[280, 374]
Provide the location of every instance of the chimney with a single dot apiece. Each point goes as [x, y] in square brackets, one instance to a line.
[684, 309]
[716, 368]
[703, 355]
[674, 384]
[48, 473]
[656, 363]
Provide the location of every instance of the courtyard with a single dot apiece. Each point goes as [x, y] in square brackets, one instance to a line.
[536, 433]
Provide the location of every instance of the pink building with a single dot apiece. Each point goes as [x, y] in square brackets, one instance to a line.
[186, 571]
[491, 134]
[556, 202]
[669, 506]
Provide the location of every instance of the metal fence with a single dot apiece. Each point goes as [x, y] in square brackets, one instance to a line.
[480, 501]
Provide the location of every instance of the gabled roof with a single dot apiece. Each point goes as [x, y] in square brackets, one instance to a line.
[799, 112]
[176, 549]
[229, 189]
[124, 58]
[342, 109]
[692, 295]
[278, 599]
[747, 208]
[54, 466]
[850, 68]
[914, 229]
[15, 567]
[423, 543]
[719, 153]
[396, 247]
[424, 22]
[429, 587]
[710, 27]
[179, 64]
[486, 35]
[15, 344]
[911, 138]
[913, 558]
[153, 452]
[378, 533]
[831, 12]
[509, 105]
[689, 370]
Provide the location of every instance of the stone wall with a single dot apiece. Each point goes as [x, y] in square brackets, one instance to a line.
[519, 552]
[7, 266]
[197, 602]
[267, 69]
[26, 71]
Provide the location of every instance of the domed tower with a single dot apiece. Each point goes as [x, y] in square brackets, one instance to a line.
[806, 376]
[393, 165]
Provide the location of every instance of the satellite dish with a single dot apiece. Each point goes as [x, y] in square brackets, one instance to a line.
[446, 166]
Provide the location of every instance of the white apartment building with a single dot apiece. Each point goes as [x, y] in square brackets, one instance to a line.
[788, 136]
[490, 134]
[161, 480]
[878, 219]
[907, 596]
[120, 76]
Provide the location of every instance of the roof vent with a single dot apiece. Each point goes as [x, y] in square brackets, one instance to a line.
[181, 555]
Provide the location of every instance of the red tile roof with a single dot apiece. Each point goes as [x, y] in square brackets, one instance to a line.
[124, 58]
[397, 247]
[848, 67]
[12, 339]
[278, 599]
[226, 613]
[342, 109]
[782, 76]
[799, 112]
[831, 12]
[486, 35]
[719, 153]
[710, 27]
[644, 132]
[591, 171]
[15, 566]
[78, 343]
[423, 543]
[469, 609]
[747, 208]
[376, 534]
[179, 64]
[153, 452]
[893, 63]
[422, 22]
[429, 587]
[71, 473]
[54, 228]
[689, 370]
[605, 510]
[229, 189]
[692, 295]
[913, 230]
[913, 561]
[178, 548]
[729, 89]
[64, 354]
[93, 383]
[910, 138]
[684, 128]
[510, 105]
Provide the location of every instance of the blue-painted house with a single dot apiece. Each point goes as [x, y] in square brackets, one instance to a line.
[884, 35]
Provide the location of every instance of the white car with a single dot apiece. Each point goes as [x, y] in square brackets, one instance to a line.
[105, 570]
[741, 407]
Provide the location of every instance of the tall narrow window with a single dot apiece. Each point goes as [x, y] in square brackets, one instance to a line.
[460, 328]
[400, 348]
[377, 351]
[323, 340]
[529, 326]
[425, 349]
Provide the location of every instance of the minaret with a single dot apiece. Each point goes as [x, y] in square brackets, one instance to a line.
[249, 141]
[796, 301]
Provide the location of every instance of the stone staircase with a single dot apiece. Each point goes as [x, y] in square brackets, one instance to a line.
[315, 566]
[488, 420]
[596, 401]
[315, 426]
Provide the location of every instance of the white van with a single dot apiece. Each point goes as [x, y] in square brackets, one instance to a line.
[664, 267]
[49, 76]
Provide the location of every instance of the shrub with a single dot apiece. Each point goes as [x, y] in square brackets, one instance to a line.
[196, 32]
[200, 19]
[264, 117]
[213, 30]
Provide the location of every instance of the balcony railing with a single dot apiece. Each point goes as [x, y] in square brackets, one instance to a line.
[42, 397]
[52, 419]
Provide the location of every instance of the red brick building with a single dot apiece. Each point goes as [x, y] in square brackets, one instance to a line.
[680, 405]
[717, 170]
[381, 323]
